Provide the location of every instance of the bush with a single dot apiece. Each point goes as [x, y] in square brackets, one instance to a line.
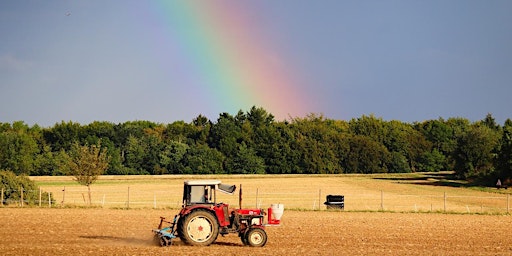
[11, 184]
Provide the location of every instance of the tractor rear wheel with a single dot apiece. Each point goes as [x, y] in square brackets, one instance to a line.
[256, 237]
[199, 227]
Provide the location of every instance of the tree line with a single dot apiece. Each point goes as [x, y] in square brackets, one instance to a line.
[253, 142]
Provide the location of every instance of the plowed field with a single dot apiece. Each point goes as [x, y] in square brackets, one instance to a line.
[40, 231]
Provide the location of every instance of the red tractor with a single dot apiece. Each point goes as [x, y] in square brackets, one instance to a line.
[202, 219]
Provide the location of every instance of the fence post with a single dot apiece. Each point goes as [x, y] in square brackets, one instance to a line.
[63, 195]
[508, 203]
[21, 191]
[49, 200]
[382, 200]
[2, 198]
[128, 202]
[40, 194]
[319, 198]
[444, 201]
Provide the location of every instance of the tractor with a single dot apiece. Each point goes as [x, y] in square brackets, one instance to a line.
[201, 218]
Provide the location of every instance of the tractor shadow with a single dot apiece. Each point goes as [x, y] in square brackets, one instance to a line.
[137, 241]
[228, 244]
[445, 179]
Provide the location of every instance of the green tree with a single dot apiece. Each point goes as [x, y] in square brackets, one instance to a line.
[366, 156]
[246, 162]
[86, 163]
[172, 155]
[154, 146]
[443, 139]
[398, 163]
[47, 163]
[369, 126]
[201, 129]
[18, 149]
[504, 161]
[134, 155]
[11, 184]
[399, 145]
[432, 161]
[203, 160]
[490, 122]
[314, 140]
[476, 152]
[99, 130]
[415, 149]
[225, 135]
[63, 135]
[142, 154]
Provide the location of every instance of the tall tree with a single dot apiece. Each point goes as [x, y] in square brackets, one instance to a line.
[369, 126]
[203, 160]
[475, 152]
[490, 122]
[245, 162]
[172, 155]
[63, 135]
[202, 126]
[225, 135]
[135, 153]
[504, 161]
[366, 156]
[18, 149]
[314, 139]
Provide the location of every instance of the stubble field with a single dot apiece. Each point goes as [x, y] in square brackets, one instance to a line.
[75, 231]
[420, 214]
[418, 192]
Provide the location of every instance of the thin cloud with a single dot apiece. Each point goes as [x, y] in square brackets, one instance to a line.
[9, 62]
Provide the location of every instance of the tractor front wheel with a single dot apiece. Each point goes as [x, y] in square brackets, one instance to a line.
[255, 237]
[199, 227]
[243, 237]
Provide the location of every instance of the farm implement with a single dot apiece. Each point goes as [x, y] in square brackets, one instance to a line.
[201, 219]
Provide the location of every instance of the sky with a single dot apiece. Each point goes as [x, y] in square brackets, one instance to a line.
[166, 61]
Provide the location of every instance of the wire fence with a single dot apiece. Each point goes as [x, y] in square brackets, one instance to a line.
[133, 197]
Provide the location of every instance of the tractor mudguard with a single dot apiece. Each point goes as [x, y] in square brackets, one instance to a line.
[186, 210]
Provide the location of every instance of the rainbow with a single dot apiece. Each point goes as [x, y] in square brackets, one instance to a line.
[225, 53]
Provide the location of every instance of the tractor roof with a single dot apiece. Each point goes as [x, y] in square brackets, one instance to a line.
[202, 182]
[228, 189]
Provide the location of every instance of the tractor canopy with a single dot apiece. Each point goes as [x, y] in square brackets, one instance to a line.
[204, 191]
[228, 189]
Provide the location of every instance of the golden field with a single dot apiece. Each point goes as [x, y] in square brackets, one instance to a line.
[398, 193]
[384, 215]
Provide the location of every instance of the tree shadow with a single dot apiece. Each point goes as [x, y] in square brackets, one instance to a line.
[445, 179]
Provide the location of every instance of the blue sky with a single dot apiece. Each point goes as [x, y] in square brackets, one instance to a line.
[85, 61]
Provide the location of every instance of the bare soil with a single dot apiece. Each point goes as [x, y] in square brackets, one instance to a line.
[74, 231]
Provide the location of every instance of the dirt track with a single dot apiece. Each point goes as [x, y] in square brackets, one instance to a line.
[34, 231]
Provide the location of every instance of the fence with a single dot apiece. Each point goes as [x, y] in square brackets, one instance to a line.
[261, 198]
[20, 198]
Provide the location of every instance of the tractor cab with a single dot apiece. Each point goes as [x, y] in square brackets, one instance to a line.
[204, 191]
